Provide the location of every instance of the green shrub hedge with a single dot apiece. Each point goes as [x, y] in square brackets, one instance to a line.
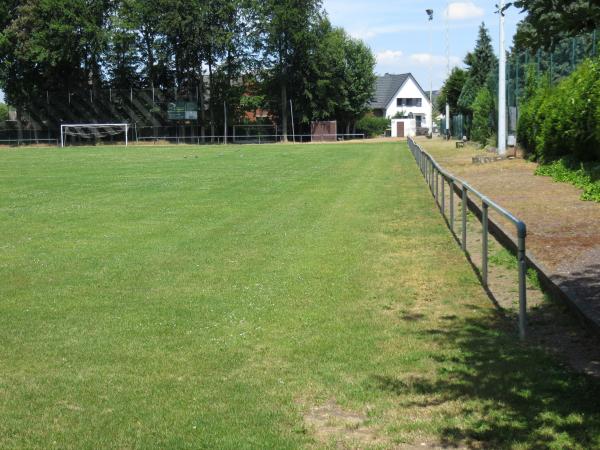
[483, 111]
[563, 120]
[372, 126]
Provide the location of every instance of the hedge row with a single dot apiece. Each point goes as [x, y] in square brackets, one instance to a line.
[563, 120]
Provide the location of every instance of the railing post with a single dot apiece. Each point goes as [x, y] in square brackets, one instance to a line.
[443, 195]
[522, 233]
[452, 205]
[430, 174]
[484, 243]
[437, 194]
[464, 218]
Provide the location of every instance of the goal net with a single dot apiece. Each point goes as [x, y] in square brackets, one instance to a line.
[251, 134]
[93, 131]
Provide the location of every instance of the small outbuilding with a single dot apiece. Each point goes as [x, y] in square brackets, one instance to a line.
[404, 128]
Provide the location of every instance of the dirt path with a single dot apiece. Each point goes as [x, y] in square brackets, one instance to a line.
[563, 231]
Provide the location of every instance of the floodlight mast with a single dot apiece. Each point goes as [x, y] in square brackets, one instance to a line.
[430, 15]
[502, 83]
[448, 127]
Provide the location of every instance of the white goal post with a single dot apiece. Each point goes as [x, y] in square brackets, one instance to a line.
[92, 131]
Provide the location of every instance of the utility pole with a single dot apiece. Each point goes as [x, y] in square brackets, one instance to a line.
[448, 127]
[430, 15]
[502, 84]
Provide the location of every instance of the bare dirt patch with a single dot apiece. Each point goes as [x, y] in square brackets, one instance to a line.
[336, 427]
[331, 424]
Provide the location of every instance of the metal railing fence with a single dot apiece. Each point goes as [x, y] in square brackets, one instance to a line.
[437, 178]
[169, 135]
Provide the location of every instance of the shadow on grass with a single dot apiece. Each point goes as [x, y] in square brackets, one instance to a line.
[510, 395]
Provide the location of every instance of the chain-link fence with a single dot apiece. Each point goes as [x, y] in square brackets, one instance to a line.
[554, 64]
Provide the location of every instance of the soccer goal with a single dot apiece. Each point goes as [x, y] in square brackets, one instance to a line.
[251, 134]
[93, 131]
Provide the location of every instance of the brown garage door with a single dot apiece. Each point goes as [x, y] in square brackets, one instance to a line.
[400, 129]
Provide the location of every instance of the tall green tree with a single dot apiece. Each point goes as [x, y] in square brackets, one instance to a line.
[548, 21]
[451, 90]
[481, 62]
[54, 45]
[289, 39]
[359, 80]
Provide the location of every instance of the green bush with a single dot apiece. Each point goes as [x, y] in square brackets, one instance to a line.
[3, 113]
[372, 126]
[564, 120]
[483, 110]
[585, 176]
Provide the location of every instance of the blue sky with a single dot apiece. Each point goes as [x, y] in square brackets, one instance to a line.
[398, 32]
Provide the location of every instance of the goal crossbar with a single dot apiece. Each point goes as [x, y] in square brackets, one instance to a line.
[90, 126]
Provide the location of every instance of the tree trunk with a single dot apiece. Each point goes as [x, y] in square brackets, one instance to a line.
[284, 114]
[202, 112]
[211, 109]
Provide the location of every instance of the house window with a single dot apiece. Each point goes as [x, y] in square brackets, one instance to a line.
[409, 102]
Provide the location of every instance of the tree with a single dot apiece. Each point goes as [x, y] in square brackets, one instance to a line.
[451, 91]
[341, 81]
[482, 61]
[548, 21]
[3, 113]
[53, 45]
[483, 113]
[288, 43]
[360, 81]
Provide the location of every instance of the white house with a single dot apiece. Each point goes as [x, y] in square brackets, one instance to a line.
[401, 96]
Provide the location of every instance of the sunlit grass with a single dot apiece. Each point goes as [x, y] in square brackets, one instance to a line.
[210, 297]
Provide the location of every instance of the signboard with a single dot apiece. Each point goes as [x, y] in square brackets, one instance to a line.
[183, 111]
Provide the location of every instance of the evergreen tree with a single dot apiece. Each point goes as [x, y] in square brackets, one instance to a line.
[481, 62]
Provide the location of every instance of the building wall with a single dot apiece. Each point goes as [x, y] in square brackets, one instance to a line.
[411, 90]
[410, 127]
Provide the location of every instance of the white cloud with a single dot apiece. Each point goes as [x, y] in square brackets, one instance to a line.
[463, 11]
[363, 34]
[427, 59]
[389, 56]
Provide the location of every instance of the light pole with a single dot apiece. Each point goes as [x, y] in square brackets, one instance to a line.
[448, 127]
[502, 83]
[430, 15]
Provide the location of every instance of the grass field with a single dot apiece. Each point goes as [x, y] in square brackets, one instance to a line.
[255, 297]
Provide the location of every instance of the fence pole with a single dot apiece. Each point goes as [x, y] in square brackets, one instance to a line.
[430, 171]
[464, 218]
[484, 243]
[522, 281]
[594, 43]
[437, 187]
[517, 81]
[452, 205]
[443, 195]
